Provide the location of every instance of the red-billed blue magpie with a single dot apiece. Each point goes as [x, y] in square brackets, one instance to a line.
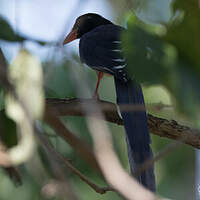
[100, 48]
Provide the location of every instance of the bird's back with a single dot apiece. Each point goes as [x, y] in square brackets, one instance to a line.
[101, 50]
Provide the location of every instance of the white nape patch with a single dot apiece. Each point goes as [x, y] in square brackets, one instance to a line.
[118, 111]
[120, 67]
[119, 60]
[117, 42]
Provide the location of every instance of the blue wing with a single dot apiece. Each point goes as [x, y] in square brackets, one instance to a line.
[101, 50]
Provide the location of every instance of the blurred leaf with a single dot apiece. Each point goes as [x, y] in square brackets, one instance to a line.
[174, 64]
[184, 84]
[145, 54]
[184, 31]
[3, 68]
[14, 175]
[153, 11]
[26, 74]
[8, 130]
[1, 99]
[8, 138]
[58, 82]
[7, 33]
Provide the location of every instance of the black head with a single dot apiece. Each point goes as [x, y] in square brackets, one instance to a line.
[84, 24]
[87, 22]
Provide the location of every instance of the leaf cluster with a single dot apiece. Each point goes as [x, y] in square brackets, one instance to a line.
[168, 54]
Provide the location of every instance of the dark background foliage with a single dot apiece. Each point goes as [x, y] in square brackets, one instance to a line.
[162, 48]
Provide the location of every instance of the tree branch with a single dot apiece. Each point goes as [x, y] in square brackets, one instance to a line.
[57, 157]
[98, 189]
[158, 126]
[81, 148]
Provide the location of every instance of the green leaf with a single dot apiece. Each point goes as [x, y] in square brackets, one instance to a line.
[171, 59]
[145, 54]
[58, 82]
[7, 33]
[184, 31]
[8, 130]
[184, 34]
[184, 84]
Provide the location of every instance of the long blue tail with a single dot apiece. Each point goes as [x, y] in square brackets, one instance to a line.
[137, 132]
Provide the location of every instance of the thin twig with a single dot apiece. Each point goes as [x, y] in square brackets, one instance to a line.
[98, 189]
[148, 163]
[63, 160]
[65, 188]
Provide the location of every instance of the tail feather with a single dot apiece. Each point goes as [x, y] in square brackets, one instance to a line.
[137, 132]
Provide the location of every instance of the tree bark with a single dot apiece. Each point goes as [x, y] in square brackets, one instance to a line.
[158, 126]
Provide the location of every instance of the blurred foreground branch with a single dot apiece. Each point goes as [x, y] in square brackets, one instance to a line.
[10, 170]
[158, 126]
[107, 158]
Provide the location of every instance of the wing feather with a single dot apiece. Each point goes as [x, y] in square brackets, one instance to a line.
[101, 49]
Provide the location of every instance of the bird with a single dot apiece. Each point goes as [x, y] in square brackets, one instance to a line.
[100, 47]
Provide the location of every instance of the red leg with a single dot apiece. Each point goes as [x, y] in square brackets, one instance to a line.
[100, 76]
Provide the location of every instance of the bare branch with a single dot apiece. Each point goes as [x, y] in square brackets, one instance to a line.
[12, 172]
[100, 190]
[158, 126]
[148, 163]
[64, 188]
[80, 147]
[63, 160]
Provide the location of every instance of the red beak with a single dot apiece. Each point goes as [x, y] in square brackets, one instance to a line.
[70, 37]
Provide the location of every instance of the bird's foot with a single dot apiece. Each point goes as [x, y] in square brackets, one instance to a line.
[95, 96]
